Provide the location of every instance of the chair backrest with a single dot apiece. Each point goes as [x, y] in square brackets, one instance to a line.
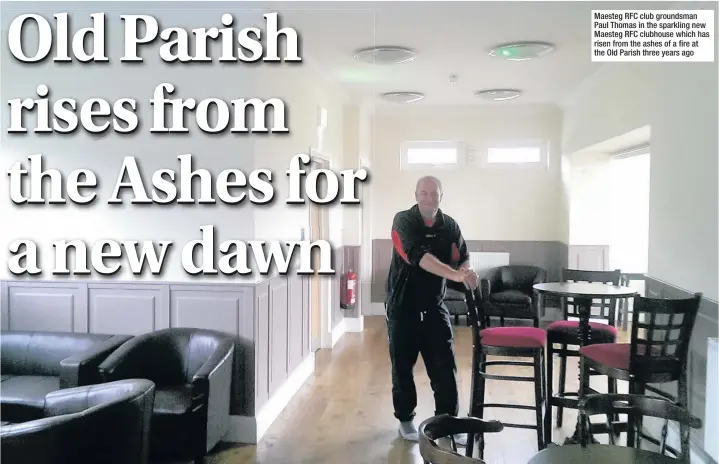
[108, 423]
[40, 353]
[602, 308]
[446, 426]
[661, 333]
[173, 356]
[639, 406]
[516, 277]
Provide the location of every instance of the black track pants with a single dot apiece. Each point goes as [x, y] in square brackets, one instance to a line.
[430, 334]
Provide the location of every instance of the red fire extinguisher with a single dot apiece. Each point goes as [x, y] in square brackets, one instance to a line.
[348, 295]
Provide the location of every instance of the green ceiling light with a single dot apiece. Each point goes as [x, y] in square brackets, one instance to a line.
[521, 51]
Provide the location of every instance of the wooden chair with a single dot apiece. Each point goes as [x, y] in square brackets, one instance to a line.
[511, 342]
[446, 426]
[658, 353]
[565, 333]
[637, 406]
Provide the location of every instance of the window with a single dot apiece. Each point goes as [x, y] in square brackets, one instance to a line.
[431, 154]
[514, 155]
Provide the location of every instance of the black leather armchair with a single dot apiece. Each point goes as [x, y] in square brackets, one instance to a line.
[192, 371]
[455, 301]
[37, 363]
[507, 292]
[107, 423]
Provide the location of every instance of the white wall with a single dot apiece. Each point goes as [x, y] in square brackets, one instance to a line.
[679, 102]
[104, 154]
[303, 91]
[489, 204]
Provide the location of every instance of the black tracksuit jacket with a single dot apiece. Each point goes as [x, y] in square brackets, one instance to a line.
[411, 289]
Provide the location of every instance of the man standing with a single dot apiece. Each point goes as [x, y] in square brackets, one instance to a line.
[428, 250]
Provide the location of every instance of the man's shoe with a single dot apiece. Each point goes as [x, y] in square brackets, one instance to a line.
[408, 431]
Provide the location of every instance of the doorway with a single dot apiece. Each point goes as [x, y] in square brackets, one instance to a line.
[320, 324]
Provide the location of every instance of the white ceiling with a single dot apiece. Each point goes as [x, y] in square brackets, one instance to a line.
[450, 37]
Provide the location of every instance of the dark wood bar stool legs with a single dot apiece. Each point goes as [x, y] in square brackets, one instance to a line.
[521, 342]
[566, 333]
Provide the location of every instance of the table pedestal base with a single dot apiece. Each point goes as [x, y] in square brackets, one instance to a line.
[576, 439]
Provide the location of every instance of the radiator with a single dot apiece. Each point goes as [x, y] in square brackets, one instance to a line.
[483, 261]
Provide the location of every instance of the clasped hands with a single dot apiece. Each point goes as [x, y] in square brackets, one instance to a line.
[466, 276]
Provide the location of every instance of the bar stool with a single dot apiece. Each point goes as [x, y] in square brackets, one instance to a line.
[657, 354]
[522, 342]
[565, 333]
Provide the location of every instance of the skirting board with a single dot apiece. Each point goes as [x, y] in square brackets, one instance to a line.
[354, 324]
[244, 429]
[338, 331]
[376, 309]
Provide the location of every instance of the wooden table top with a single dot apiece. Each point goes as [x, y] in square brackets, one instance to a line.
[584, 289]
[598, 454]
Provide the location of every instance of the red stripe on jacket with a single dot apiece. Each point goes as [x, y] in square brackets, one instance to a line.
[398, 246]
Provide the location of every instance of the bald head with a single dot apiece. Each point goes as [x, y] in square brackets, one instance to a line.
[428, 194]
[428, 182]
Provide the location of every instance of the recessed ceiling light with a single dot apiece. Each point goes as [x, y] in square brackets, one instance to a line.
[498, 94]
[385, 55]
[403, 97]
[521, 51]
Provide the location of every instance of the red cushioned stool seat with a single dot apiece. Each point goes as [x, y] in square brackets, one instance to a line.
[515, 337]
[613, 355]
[600, 332]
[616, 355]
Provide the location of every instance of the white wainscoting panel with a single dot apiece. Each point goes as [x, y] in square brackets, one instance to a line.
[127, 309]
[56, 306]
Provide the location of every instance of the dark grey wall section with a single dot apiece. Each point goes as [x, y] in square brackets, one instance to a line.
[706, 326]
[549, 255]
[270, 320]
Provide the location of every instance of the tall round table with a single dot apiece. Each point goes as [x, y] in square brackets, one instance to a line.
[583, 293]
[598, 454]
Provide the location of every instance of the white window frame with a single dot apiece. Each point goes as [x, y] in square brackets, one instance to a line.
[543, 146]
[405, 165]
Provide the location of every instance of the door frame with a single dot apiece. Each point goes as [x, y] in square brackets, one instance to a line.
[365, 246]
[323, 337]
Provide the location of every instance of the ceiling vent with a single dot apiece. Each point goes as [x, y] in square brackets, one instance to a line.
[385, 55]
[498, 94]
[402, 97]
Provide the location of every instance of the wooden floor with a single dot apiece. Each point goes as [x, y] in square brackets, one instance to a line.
[343, 414]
